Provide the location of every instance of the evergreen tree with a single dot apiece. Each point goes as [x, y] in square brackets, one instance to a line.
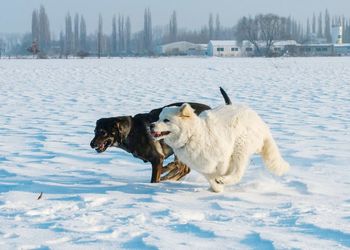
[35, 26]
[147, 32]
[347, 32]
[76, 34]
[211, 27]
[44, 30]
[173, 27]
[83, 46]
[308, 31]
[217, 27]
[128, 35]
[319, 30]
[99, 36]
[114, 36]
[121, 37]
[327, 27]
[61, 42]
[289, 27]
[69, 36]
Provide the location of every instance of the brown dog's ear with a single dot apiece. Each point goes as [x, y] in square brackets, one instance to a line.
[186, 110]
[123, 124]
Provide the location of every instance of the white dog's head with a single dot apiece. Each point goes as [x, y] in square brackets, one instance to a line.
[175, 125]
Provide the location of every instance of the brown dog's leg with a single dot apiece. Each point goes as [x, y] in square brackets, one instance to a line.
[156, 171]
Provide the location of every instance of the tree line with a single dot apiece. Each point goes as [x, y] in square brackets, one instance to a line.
[74, 40]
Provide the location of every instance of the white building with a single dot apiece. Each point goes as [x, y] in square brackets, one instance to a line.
[282, 47]
[247, 48]
[277, 48]
[342, 49]
[182, 48]
[223, 48]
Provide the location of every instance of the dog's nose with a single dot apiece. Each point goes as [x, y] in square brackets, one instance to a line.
[152, 126]
[92, 144]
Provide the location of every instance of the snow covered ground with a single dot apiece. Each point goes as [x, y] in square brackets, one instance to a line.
[48, 110]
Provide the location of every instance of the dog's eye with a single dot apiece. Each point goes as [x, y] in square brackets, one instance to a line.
[166, 120]
[102, 132]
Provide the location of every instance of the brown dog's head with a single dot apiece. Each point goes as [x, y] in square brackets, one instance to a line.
[111, 132]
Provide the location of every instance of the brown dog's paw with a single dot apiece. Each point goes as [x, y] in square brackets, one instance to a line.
[176, 170]
[170, 167]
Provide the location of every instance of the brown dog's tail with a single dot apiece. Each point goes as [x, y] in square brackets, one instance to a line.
[226, 98]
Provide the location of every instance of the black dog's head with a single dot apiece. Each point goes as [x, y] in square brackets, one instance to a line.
[111, 132]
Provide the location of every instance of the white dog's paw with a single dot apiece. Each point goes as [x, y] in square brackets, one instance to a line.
[216, 187]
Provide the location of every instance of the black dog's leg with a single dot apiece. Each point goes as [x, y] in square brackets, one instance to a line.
[156, 171]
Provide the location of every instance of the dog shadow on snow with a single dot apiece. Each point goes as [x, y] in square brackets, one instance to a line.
[98, 182]
[84, 182]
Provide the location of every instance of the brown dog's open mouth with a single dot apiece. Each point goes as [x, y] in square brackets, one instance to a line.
[159, 134]
[103, 146]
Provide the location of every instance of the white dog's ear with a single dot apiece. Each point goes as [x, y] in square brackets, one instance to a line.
[186, 110]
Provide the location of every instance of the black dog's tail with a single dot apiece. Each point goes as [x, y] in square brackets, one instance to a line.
[226, 98]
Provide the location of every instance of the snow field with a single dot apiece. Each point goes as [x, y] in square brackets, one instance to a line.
[48, 110]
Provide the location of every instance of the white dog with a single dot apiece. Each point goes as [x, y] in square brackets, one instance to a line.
[219, 142]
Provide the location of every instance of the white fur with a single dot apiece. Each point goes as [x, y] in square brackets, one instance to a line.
[219, 142]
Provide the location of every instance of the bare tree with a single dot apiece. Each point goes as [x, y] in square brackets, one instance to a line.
[266, 28]
[248, 29]
[99, 36]
[270, 26]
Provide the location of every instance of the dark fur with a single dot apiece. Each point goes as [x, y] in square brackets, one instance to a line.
[226, 98]
[132, 135]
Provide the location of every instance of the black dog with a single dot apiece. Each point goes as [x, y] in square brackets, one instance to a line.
[132, 135]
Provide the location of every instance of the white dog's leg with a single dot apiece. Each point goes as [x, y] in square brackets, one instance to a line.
[215, 187]
[238, 166]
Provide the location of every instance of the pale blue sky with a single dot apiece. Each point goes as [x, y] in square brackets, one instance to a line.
[16, 14]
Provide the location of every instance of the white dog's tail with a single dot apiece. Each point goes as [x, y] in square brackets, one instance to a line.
[272, 157]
